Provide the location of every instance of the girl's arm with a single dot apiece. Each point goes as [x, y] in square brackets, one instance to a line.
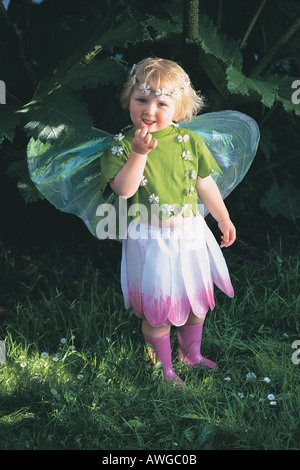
[127, 180]
[210, 196]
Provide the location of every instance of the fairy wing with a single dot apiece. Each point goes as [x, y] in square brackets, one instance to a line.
[232, 137]
[68, 175]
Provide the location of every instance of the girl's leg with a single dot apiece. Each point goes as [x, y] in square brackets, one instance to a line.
[189, 339]
[158, 345]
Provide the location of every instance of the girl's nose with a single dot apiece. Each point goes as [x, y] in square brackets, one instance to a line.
[150, 109]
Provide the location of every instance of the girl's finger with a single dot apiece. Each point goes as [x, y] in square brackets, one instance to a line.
[144, 131]
[148, 138]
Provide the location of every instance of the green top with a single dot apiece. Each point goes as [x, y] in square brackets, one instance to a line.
[171, 171]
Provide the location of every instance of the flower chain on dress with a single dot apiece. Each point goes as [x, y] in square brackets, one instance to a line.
[190, 174]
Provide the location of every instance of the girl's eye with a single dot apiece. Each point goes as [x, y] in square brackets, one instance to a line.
[141, 100]
[161, 104]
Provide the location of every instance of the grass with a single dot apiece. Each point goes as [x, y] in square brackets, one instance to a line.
[94, 387]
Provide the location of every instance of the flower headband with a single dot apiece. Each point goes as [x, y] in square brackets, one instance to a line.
[146, 90]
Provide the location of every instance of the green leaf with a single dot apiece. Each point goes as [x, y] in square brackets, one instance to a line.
[215, 42]
[266, 144]
[284, 201]
[271, 88]
[79, 73]
[55, 112]
[129, 28]
[285, 92]
[163, 26]
[215, 71]
[18, 169]
[237, 82]
[191, 416]
[9, 119]
[57, 117]
[55, 394]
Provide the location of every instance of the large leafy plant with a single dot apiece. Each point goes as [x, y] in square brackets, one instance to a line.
[61, 104]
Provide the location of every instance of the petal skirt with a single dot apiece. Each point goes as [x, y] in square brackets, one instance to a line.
[167, 272]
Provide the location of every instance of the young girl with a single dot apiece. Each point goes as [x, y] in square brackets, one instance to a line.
[170, 259]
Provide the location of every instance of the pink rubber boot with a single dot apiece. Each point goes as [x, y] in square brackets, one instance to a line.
[159, 349]
[189, 339]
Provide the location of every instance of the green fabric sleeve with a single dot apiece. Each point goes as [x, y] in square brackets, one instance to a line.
[207, 163]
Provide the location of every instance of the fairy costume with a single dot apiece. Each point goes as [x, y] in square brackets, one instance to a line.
[170, 173]
[166, 272]
[74, 178]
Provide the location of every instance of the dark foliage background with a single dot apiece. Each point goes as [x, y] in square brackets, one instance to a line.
[64, 61]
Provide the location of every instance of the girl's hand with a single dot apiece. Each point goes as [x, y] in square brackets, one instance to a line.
[141, 142]
[229, 232]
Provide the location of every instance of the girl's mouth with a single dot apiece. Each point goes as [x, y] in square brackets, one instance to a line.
[148, 122]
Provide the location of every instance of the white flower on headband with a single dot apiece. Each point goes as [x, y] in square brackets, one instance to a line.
[133, 69]
[162, 92]
[145, 89]
[133, 80]
[185, 85]
[175, 93]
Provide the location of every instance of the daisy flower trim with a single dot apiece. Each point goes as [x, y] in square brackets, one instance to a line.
[117, 150]
[153, 199]
[119, 136]
[183, 138]
[167, 209]
[145, 89]
[161, 92]
[144, 181]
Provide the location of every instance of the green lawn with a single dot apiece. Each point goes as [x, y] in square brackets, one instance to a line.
[77, 376]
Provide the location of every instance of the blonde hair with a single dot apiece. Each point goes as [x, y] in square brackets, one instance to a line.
[164, 73]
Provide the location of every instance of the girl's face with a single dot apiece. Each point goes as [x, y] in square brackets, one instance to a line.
[156, 112]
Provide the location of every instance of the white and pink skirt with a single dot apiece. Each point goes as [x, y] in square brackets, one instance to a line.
[168, 272]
